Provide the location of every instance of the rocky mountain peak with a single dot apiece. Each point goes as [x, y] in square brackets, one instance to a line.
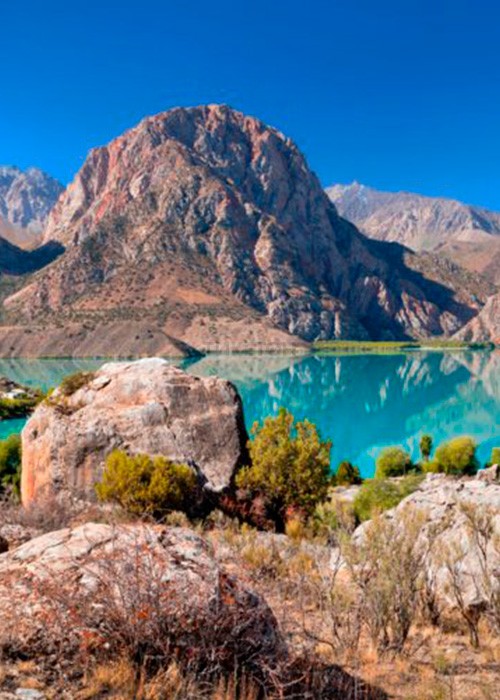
[204, 212]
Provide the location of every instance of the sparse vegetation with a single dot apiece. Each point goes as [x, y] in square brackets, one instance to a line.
[73, 382]
[395, 346]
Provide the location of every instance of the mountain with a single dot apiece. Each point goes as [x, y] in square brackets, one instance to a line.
[485, 326]
[208, 226]
[468, 235]
[26, 198]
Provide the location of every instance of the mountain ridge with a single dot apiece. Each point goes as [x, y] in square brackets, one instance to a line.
[467, 234]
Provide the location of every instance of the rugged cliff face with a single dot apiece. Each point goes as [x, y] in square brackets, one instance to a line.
[26, 198]
[468, 235]
[203, 217]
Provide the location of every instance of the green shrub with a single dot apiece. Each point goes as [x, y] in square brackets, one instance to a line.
[290, 466]
[10, 462]
[146, 485]
[377, 495]
[495, 457]
[347, 474]
[426, 447]
[457, 456]
[73, 382]
[393, 461]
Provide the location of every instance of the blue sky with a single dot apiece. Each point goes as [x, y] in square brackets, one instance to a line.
[398, 95]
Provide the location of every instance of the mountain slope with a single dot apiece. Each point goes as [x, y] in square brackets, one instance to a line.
[26, 198]
[209, 225]
[468, 235]
[485, 326]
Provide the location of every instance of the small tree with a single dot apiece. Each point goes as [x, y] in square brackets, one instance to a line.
[347, 474]
[426, 447]
[144, 485]
[10, 462]
[457, 456]
[290, 466]
[393, 461]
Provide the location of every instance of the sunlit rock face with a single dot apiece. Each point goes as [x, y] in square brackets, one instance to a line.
[205, 213]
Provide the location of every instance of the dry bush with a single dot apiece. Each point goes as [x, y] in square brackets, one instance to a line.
[369, 590]
[134, 609]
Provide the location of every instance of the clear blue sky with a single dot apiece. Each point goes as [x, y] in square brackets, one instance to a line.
[396, 94]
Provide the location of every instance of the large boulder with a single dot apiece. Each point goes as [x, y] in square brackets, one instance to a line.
[112, 584]
[145, 406]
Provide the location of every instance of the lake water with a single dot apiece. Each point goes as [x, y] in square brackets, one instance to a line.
[361, 402]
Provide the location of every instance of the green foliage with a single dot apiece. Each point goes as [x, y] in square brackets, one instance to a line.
[457, 456]
[426, 447]
[495, 457]
[146, 485]
[377, 495]
[10, 462]
[18, 407]
[347, 474]
[73, 382]
[393, 461]
[290, 465]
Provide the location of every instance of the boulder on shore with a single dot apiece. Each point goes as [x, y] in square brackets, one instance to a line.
[147, 406]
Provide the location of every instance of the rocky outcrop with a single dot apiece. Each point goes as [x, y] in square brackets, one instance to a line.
[165, 581]
[485, 327]
[204, 215]
[449, 506]
[468, 235]
[145, 406]
[26, 198]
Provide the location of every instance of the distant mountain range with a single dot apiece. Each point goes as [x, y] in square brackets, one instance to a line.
[468, 235]
[26, 198]
[204, 229]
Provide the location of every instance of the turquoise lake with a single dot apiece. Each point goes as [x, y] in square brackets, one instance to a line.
[361, 402]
